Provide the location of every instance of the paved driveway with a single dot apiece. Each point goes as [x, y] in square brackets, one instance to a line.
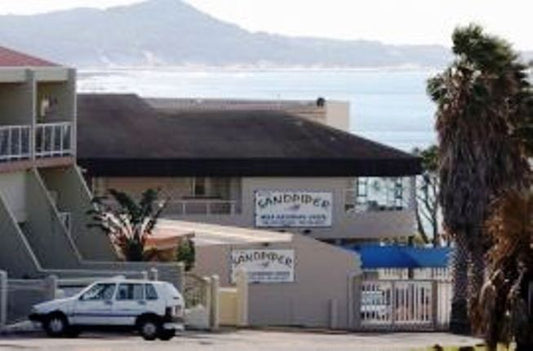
[241, 340]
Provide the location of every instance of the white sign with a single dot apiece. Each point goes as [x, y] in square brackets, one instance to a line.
[264, 266]
[276, 209]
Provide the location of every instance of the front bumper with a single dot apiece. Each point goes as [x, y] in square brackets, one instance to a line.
[174, 322]
[176, 326]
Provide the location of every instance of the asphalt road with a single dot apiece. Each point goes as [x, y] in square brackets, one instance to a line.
[241, 340]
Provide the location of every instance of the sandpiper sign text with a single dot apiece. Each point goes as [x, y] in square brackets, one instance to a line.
[276, 209]
[264, 265]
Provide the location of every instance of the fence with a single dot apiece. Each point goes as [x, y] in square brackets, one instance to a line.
[53, 139]
[201, 207]
[405, 304]
[14, 142]
[21, 294]
[441, 274]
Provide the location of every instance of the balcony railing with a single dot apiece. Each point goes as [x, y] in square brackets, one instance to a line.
[356, 204]
[201, 207]
[14, 143]
[53, 139]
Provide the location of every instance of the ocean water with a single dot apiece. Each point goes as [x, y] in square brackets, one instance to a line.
[389, 106]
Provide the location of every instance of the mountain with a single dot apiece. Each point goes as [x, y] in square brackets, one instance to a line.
[171, 32]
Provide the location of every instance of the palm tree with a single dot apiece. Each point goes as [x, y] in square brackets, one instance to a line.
[128, 223]
[502, 312]
[427, 209]
[479, 99]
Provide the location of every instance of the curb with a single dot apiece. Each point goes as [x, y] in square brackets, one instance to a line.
[25, 327]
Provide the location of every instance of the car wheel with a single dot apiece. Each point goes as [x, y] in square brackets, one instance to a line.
[149, 328]
[55, 325]
[167, 334]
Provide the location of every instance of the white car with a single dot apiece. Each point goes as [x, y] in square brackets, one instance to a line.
[154, 308]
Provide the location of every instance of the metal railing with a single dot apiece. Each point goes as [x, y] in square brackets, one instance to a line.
[53, 139]
[405, 304]
[201, 207]
[353, 204]
[14, 142]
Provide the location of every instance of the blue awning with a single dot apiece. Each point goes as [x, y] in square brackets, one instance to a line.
[394, 256]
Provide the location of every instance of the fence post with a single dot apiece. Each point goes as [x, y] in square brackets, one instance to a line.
[154, 274]
[394, 296]
[144, 275]
[354, 300]
[241, 281]
[435, 303]
[50, 285]
[214, 312]
[3, 299]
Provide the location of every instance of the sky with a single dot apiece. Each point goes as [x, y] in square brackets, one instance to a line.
[389, 21]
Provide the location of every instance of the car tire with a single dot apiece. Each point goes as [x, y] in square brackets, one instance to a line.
[167, 334]
[56, 325]
[149, 328]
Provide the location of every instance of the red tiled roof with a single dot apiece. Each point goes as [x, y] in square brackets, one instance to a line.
[11, 58]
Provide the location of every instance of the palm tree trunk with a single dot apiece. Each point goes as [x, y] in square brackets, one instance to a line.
[459, 322]
[476, 275]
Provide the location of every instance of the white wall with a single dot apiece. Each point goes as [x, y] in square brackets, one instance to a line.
[13, 188]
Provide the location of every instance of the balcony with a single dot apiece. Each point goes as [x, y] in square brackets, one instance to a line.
[14, 143]
[53, 139]
[201, 207]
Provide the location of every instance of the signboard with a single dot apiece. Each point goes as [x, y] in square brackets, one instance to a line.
[264, 265]
[277, 209]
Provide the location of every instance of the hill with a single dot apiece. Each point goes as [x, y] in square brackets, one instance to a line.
[171, 32]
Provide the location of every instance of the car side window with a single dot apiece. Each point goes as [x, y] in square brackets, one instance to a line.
[151, 294]
[103, 291]
[129, 291]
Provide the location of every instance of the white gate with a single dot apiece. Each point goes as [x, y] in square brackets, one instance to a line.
[405, 304]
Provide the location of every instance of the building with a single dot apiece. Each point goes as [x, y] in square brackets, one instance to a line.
[43, 197]
[248, 166]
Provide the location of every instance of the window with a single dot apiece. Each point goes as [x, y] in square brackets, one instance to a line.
[130, 292]
[151, 294]
[99, 292]
[199, 186]
[380, 194]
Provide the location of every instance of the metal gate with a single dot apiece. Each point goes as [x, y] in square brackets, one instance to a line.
[404, 304]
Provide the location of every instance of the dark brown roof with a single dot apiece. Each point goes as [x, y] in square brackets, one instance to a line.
[121, 135]
[11, 58]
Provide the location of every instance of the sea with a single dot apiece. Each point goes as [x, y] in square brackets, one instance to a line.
[388, 105]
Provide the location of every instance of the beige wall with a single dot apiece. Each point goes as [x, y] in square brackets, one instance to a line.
[16, 103]
[175, 187]
[322, 273]
[13, 189]
[368, 225]
[74, 197]
[338, 115]
[345, 225]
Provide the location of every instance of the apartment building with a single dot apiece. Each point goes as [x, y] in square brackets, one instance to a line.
[249, 164]
[43, 196]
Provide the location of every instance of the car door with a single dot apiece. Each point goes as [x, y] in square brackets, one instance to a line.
[129, 303]
[94, 306]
